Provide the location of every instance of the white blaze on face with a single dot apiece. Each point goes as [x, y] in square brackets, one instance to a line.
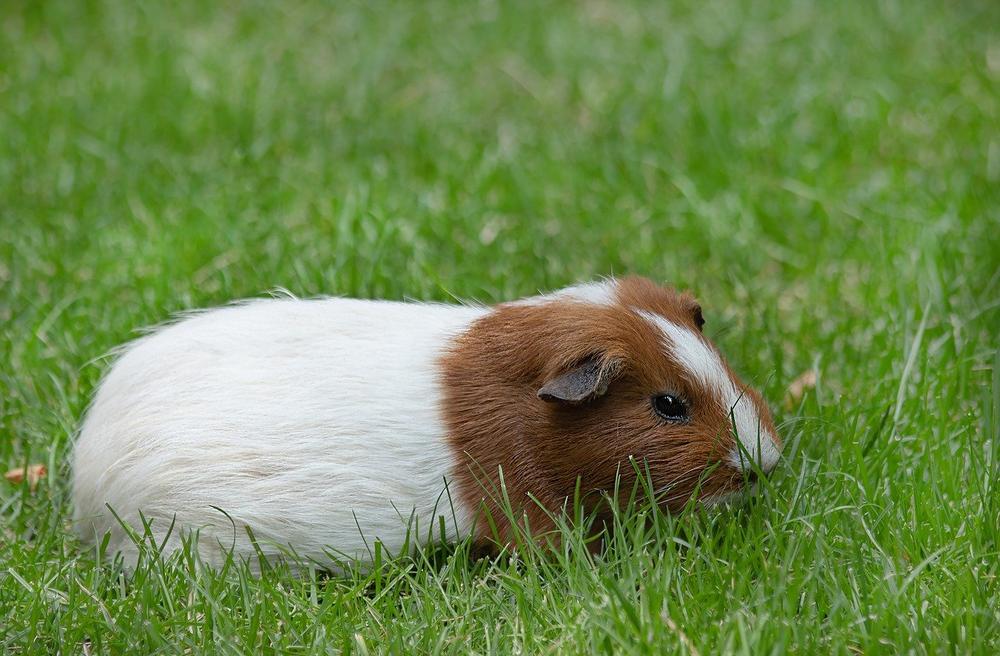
[705, 368]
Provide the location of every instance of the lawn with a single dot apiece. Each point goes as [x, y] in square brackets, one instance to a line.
[825, 177]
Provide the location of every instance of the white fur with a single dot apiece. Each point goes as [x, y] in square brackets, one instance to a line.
[603, 292]
[705, 367]
[316, 423]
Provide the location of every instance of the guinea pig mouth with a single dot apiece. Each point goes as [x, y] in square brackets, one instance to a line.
[726, 487]
[745, 485]
[729, 499]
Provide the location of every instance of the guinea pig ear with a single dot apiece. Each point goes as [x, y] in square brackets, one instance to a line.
[699, 320]
[694, 310]
[586, 381]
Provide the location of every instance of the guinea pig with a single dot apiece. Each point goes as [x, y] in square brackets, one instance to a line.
[326, 425]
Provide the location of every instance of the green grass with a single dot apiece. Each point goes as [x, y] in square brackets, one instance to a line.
[826, 177]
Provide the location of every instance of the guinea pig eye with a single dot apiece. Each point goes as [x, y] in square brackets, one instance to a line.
[670, 407]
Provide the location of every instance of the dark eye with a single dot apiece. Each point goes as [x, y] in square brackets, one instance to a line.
[670, 407]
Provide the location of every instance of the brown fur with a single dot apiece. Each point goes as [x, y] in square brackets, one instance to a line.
[496, 421]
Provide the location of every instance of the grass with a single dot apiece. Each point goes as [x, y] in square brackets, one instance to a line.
[826, 177]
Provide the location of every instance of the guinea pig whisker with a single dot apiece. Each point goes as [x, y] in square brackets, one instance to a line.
[681, 478]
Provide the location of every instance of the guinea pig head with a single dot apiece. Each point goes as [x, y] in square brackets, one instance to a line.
[590, 386]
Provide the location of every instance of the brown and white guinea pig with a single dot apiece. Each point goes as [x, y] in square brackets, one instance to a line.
[326, 425]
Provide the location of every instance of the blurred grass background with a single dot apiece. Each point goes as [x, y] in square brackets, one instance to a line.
[824, 176]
